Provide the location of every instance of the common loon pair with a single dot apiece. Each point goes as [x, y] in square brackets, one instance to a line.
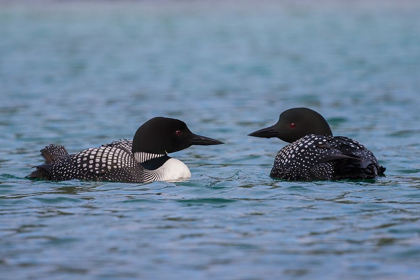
[314, 154]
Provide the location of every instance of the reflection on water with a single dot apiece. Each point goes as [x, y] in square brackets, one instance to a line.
[82, 75]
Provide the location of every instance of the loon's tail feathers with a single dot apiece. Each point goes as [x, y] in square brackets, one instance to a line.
[382, 170]
[54, 153]
[41, 172]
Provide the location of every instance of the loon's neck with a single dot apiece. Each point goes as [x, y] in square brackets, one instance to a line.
[142, 157]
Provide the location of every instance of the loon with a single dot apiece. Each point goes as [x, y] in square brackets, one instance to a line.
[314, 153]
[141, 160]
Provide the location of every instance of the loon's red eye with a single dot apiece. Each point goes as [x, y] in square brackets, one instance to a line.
[178, 132]
[292, 125]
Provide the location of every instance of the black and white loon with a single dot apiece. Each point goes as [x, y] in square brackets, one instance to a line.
[143, 159]
[314, 154]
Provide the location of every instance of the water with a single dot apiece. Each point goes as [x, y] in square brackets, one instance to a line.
[82, 75]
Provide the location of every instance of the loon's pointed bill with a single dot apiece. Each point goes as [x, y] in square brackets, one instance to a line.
[203, 140]
[267, 132]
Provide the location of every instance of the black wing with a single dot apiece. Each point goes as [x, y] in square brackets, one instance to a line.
[361, 164]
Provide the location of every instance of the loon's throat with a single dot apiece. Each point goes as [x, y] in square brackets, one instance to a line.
[142, 156]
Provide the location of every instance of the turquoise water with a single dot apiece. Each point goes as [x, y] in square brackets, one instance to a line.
[82, 75]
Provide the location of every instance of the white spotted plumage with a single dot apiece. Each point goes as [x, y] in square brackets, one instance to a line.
[320, 159]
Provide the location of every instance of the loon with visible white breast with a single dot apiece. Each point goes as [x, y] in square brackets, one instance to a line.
[143, 159]
[314, 154]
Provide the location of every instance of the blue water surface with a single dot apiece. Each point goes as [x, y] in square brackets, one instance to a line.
[82, 74]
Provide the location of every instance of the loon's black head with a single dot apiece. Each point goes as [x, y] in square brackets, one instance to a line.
[164, 135]
[294, 124]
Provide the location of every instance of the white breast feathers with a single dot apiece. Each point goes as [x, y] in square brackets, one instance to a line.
[173, 169]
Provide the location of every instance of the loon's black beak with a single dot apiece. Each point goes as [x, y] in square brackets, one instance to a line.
[203, 140]
[267, 132]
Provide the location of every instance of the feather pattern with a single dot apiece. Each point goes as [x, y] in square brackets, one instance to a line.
[109, 162]
[317, 157]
